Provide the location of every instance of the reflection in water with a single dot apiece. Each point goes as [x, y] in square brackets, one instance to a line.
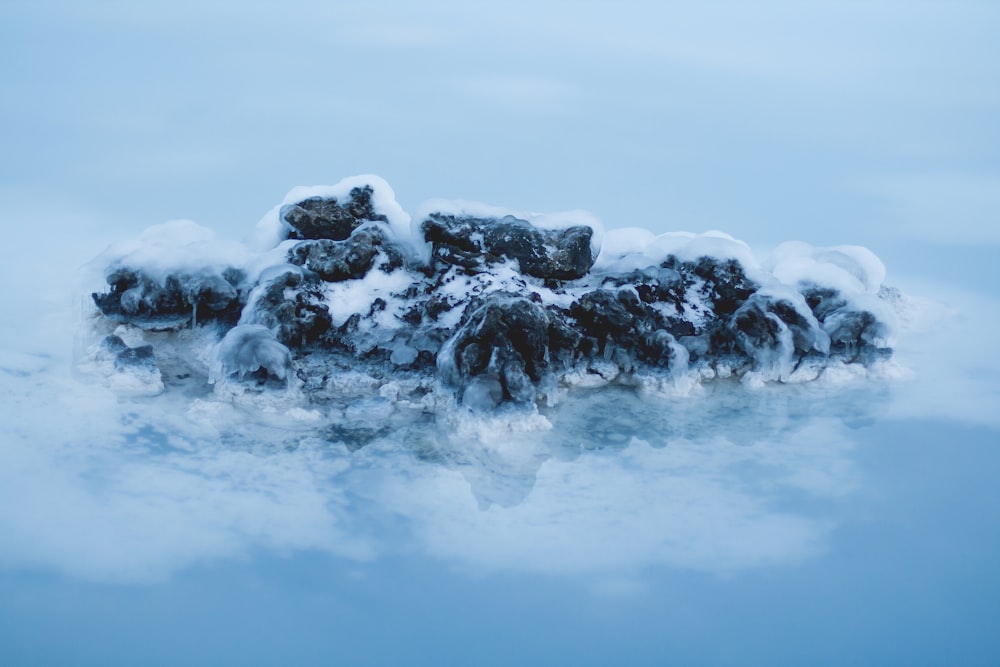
[623, 480]
[607, 481]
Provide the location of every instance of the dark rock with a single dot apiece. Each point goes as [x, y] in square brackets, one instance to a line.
[653, 285]
[804, 334]
[564, 339]
[603, 315]
[181, 300]
[823, 300]
[504, 338]
[751, 329]
[293, 308]
[854, 334]
[722, 281]
[656, 348]
[621, 326]
[351, 258]
[506, 345]
[475, 243]
[327, 218]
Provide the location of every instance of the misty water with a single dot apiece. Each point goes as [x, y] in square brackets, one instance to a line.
[850, 520]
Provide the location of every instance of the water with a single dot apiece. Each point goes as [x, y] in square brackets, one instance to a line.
[903, 573]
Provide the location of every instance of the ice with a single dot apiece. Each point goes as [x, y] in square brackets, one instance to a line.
[248, 348]
[403, 354]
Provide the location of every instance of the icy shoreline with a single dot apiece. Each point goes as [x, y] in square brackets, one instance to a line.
[338, 293]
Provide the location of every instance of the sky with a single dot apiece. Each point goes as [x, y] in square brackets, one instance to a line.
[831, 122]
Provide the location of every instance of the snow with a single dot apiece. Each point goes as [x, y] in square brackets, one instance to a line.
[177, 246]
[352, 297]
[620, 245]
[848, 268]
[634, 248]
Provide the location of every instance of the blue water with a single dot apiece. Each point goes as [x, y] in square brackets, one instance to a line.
[905, 576]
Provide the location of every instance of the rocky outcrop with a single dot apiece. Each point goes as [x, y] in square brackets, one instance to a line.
[502, 311]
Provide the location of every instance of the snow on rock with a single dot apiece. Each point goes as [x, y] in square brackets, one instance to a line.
[482, 305]
[332, 212]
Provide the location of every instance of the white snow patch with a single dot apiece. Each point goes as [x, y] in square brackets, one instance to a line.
[848, 268]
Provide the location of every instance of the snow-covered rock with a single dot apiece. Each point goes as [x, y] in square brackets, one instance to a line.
[481, 304]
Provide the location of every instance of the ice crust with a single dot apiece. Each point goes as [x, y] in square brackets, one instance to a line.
[338, 294]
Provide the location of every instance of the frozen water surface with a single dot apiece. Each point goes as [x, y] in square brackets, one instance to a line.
[851, 516]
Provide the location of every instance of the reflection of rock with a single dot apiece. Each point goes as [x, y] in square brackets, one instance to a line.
[698, 501]
[497, 479]
[125, 358]
[131, 371]
[355, 435]
[716, 484]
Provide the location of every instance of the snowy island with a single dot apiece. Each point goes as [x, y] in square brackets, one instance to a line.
[337, 292]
